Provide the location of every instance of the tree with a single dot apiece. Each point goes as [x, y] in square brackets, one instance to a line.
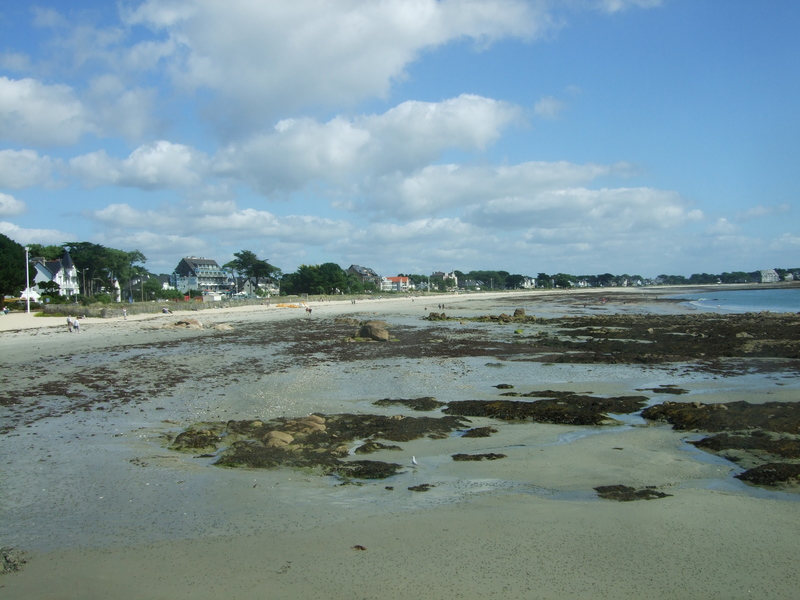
[12, 268]
[247, 264]
[46, 252]
[327, 278]
[514, 282]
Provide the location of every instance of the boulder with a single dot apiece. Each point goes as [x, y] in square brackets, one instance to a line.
[373, 330]
[519, 312]
[280, 436]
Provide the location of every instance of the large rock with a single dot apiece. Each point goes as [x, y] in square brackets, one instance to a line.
[373, 330]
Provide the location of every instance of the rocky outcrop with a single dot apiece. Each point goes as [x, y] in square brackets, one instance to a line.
[565, 408]
[624, 493]
[11, 560]
[373, 330]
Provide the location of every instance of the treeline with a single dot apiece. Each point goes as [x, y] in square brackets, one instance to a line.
[98, 268]
[734, 277]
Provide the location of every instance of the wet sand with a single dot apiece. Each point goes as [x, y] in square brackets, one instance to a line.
[105, 510]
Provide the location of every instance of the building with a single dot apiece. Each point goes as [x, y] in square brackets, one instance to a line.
[201, 274]
[395, 284]
[366, 274]
[450, 279]
[768, 276]
[61, 272]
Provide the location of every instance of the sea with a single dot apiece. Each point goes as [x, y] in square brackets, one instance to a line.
[778, 300]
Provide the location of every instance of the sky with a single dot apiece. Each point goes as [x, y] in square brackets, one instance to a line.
[643, 137]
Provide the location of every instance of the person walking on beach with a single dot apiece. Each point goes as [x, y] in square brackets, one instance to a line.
[125, 313]
[69, 324]
[76, 325]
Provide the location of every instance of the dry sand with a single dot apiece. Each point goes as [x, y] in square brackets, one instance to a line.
[106, 512]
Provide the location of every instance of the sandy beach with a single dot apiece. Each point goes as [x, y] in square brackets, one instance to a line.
[102, 507]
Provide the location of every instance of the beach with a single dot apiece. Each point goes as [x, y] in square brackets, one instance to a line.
[103, 505]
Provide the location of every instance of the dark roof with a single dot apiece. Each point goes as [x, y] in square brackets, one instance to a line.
[66, 260]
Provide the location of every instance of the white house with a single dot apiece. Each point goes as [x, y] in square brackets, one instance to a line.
[61, 271]
[395, 284]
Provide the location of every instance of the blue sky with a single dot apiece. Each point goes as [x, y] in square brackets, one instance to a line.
[576, 136]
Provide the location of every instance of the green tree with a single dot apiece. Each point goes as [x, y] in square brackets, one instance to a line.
[514, 282]
[46, 252]
[12, 268]
[247, 264]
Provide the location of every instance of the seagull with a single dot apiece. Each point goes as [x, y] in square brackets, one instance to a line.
[414, 461]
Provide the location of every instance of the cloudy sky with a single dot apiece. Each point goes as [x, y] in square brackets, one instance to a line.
[576, 136]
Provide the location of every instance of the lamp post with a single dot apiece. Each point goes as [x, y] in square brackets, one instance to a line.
[27, 280]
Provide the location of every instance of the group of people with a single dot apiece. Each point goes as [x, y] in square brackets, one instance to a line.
[73, 325]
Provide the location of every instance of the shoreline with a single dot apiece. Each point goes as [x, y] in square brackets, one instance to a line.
[18, 321]
[135, 520]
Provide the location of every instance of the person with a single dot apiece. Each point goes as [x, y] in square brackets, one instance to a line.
[125, 313]
[69, 324]
[76, 325]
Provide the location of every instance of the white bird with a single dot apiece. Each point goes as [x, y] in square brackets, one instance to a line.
[414, 461]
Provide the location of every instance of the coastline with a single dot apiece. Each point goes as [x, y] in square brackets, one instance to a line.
[136, 520]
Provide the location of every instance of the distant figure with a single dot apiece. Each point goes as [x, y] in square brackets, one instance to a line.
[125, 313]
[308, 310]
[166, 311]
[69, 324]
[76, 325]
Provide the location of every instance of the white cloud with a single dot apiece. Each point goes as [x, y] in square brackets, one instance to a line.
[118, 109]
[153, 166]
[38, 114]
[613, 6]
[24, 168]
[607, 211]
[443, 187]
[270, 58]
[760, 210]
[10, 206]
[722, 227]
[22, 235]
[237, 224]
[549, 107]
[404, 138]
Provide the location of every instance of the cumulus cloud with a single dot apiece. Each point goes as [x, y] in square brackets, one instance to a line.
[437, 188]
[10, 206]
[24, 168]
[406, 137]
[22, 235]
[161, 164]
[236, 224]
[605, 210]
[613, 6]
[34, 113]
[252, 53]
[760, 211]
[722, 227]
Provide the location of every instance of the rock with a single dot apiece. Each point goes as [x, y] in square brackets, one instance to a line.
[519, 313]
[772, 474]
[624, 493]
[189, 324]
[223, 327]
[372, 330]
[479, 432]
[286, 438]
[11, 560]
[477, 457]
[426, 403]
